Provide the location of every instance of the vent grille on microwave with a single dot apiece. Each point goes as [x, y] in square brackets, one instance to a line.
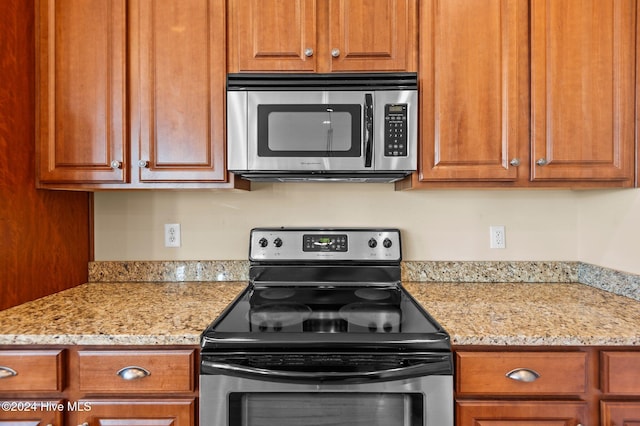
[333, 81]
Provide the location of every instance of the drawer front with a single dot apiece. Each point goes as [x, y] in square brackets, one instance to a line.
[532, 373]
[620, 372]
[31, 371]
[134, 371]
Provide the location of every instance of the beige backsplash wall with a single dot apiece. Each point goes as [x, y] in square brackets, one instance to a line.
[609, 229]
[437, 225]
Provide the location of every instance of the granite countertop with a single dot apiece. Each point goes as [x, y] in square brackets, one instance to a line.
[144, 313]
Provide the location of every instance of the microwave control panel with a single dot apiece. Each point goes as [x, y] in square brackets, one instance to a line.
[395, 130]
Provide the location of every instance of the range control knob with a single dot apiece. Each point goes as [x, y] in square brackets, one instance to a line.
[263, 242]
[372, 242]
[277, 242]
[387, 243]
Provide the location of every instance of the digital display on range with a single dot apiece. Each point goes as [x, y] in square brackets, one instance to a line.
[324, 243]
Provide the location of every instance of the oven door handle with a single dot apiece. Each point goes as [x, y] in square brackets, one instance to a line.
[439, 366]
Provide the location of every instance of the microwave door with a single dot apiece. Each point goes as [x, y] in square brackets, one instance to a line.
[307, 131]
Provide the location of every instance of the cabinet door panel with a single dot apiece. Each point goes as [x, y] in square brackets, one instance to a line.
[273, 35]
[620, 413]
[471, 55]
[583, 68]
[32, 412]
[153, 412]
[620, 373]
[82, 91]
[180, 90]
[520, 413]
[485, 373]
[31, 371]
[371, 35]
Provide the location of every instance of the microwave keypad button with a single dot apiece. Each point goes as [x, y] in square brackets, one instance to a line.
[395, 130]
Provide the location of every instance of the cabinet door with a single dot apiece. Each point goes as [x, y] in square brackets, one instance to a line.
[473, 90]
[520, 413]
[583, 91]
[82, 115]
[177, 89]
[273, 35]
[620, 413]
[150, 412]
[371, 35]
[31, 412]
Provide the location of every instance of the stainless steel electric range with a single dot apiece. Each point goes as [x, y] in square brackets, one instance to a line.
[325, 334]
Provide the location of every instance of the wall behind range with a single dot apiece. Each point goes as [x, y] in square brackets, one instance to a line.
[436, 225]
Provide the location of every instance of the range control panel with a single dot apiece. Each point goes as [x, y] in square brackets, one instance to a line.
[298, 244]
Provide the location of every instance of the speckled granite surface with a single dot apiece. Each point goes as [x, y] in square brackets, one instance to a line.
[434, 271]
[119, 313]
[169, 271]
[491, 272]
[473, 313]
[530, 314]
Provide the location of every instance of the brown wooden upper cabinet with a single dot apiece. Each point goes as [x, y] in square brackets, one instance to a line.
[130, 92]
[322, 35]
[518, 93]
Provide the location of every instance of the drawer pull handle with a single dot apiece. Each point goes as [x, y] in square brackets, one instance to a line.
[6, 372]
[133, 373]
[523, 375]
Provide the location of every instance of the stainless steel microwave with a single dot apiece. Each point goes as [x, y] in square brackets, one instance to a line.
[308, 127]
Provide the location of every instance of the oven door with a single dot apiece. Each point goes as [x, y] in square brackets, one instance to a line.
[310, 131]
[236, 395]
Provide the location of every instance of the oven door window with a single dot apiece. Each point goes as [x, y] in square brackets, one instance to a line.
[309, 130]
[321, 409]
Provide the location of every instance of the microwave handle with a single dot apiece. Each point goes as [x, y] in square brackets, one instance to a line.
[368, 129]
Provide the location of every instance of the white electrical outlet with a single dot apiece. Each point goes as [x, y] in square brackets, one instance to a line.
[172, 235]
[498, 237]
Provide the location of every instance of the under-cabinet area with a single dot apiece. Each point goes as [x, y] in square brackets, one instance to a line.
[98, 385]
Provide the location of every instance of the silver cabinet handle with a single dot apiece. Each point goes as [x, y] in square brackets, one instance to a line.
[542, 162]
[515, 162]
[6, 372]
[308, 52]
[143, 164]
[84, 424]
[115, 164]
[335, 52]
[523, 375]
[133, 372]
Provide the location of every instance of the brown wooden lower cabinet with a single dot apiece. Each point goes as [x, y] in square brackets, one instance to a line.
[127, 412]
[547, 386]
[520, 413]
[106, 386]
[31, 412]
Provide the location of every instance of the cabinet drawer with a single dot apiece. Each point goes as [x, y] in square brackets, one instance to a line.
[620, 372]
[488, 373]
[136, 371]
[31, 370]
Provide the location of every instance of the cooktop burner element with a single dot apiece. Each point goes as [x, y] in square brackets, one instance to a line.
[328, 289]
[279, 316]
[372, 294]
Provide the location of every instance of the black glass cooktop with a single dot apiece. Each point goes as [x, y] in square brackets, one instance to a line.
[304, 317]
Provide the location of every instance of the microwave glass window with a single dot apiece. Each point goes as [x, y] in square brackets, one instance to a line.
[309, 130]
